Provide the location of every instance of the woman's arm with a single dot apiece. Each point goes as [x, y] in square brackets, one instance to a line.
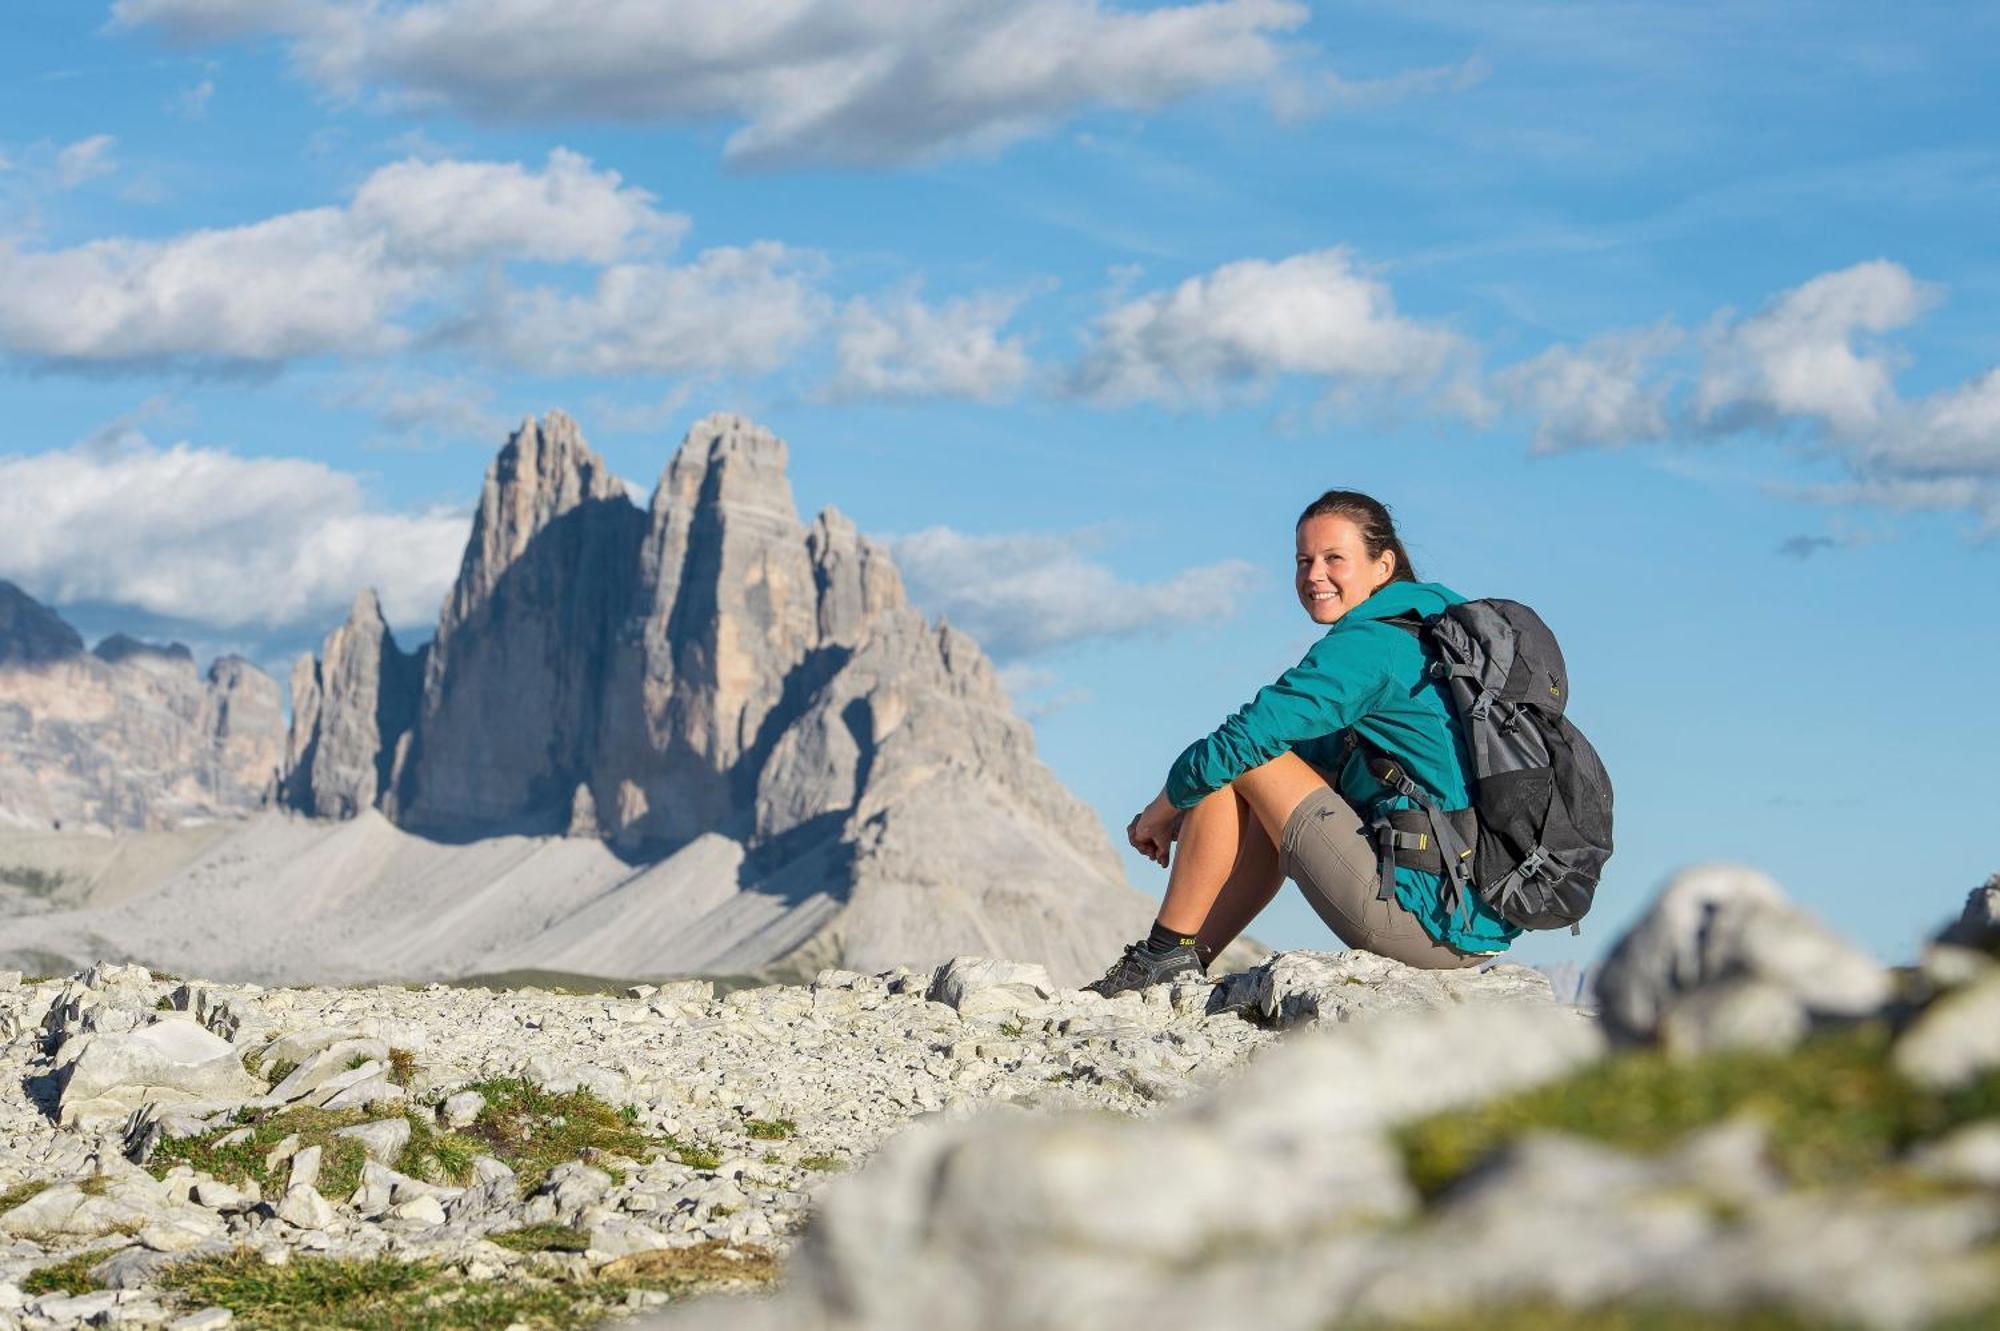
[1337, 683]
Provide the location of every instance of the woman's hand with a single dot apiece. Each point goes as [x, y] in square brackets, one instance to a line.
[1154, 828]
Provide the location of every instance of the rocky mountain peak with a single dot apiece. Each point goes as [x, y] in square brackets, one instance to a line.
[708, 675]
[121, 647]
[732, 463]
[350, 708]
[31, 633]
[544, 471]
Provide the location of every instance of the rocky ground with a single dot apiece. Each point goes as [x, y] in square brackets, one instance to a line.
[1765, 1128]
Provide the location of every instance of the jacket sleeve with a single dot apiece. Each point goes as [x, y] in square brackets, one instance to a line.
[1337, 683]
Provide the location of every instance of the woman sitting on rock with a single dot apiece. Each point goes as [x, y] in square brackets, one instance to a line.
[1279, 791]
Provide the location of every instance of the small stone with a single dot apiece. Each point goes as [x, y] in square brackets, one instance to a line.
[1735, 1014]
[219, 1196]
[280, 1153]
[984, 986]
[420, 1210]
[207, 1319]
[1956, 1039]
[382, 1140]
[184, 1232]
[304, 1208]
[462, 1109]
[305, 1168]
[1969, 1155]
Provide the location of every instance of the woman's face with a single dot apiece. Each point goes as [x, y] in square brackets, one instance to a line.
[1334, 573]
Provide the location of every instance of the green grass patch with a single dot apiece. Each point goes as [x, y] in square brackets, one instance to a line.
[242, 1161]
[437, 1157]
[389, 1294]
[533, 1129]
[69, 1276]
[1834, 1108]
[24, 1191]
[823, 1164]
[770, 1129]
[543, 1238]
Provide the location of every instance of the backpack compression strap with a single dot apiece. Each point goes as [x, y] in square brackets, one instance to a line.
[1452, 850]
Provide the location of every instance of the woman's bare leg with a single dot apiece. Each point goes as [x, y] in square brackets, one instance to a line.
[1274, 790]
[1225, 870]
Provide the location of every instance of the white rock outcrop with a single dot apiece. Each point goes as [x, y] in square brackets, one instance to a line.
[1721, 924]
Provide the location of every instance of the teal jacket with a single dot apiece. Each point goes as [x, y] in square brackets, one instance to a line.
[1372, 677]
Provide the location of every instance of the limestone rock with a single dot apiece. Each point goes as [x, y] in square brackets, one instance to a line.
[978, 986]
[383, 1139]
[1741, 1013]
[304, 1208]
[1294, 988]
[1721, 923]
[176, 1058]
[1956, 1039]
[335, 1062]
[462, 1109]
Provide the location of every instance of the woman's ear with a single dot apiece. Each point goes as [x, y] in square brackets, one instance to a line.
[1388, 566]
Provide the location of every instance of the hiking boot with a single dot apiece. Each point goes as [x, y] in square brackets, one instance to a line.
[1142, 967]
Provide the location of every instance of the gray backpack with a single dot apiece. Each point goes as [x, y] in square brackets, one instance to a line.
[1539, 829]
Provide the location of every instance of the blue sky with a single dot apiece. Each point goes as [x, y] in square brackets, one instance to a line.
[1671, 320]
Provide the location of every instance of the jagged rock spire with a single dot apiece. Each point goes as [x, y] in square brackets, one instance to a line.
[31, 633]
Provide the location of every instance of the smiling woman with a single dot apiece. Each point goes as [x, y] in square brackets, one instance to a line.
[1278, 792]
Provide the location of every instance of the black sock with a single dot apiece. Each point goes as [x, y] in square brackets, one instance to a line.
[1163, 939]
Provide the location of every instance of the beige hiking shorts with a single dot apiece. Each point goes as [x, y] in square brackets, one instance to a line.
[1327, 852]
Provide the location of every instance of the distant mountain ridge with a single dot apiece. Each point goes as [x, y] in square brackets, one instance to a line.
[130, 736]
[779, 760]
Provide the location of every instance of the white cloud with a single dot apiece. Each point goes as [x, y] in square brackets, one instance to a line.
[729, 309]
[296, 285]
[1603, 392]
[1025, 592]
[1299, 99]
[869, 82]
[86, 159]
[322, 280]
[1977, 495]
[1954, 430]
[211, 536]
[1236, 329]
[425, 405]
[905, 348]
[450, 211]
[192, 103]
[1799, 356]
